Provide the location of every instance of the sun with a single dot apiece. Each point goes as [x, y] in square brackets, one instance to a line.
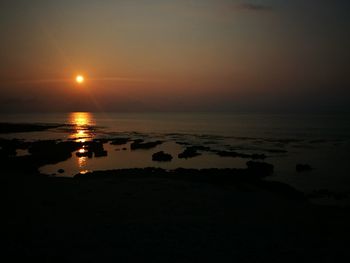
[79, 79]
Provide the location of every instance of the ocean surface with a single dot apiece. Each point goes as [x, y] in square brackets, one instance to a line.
[321, 141]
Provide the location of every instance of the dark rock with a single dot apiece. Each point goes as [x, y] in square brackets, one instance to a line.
[277, 151]
[258, 156]
[318, 141]
[228, 154]
[8, 147]
[284, 190]
[213, 176]
[101, 140]
[51, 151]
[210, 142]
[84, 154]
[325, 193]
[95, 147]
[139, 144]
[283, 141]
[189, 152]
[240, 155]
[303, 168]
[339, 196]
[321, 193]
[18, 127]
[162, 157]
[201, 148]
[265, 169]
[192, 151]
[119, 141]
[182, 143]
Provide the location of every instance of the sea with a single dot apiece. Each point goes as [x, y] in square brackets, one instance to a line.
[318, 140]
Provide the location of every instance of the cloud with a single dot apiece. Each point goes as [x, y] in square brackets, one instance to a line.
[253, 7]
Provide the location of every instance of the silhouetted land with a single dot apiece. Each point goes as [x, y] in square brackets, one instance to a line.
[14, 127]
[183, 215]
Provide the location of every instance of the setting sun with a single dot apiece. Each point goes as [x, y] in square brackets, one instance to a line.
[79, 79]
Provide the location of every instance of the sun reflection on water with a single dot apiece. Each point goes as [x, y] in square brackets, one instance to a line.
[82, 162]
[83, 130]
[83, 123]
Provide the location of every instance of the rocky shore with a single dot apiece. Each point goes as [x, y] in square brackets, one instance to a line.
[159, 215]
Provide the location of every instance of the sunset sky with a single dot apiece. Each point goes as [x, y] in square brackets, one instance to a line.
[180, 55]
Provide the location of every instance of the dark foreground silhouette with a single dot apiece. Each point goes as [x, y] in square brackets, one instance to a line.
[149, 215]
[139, 215]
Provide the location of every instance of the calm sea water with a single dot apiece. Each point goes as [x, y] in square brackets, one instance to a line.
[322, 141]
[253, 125]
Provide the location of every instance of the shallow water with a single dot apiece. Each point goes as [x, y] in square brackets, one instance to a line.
[323, 141]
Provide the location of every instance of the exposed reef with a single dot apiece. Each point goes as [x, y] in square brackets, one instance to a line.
[92, 148]
[9, 147]
[40, 153]
[303, 168]
[23, 127]
[140, 144]
[162, 157]
[160, 215]
[276, 151]
[325, 193]
[119, 141]
[240, 155]
[192, 151]
[189, 152]
[253, 175]
[260, 167]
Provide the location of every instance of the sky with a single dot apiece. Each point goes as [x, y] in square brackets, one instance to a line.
[175, 55]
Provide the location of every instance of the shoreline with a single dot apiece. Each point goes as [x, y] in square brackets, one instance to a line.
[179, 215]
[38, 153]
